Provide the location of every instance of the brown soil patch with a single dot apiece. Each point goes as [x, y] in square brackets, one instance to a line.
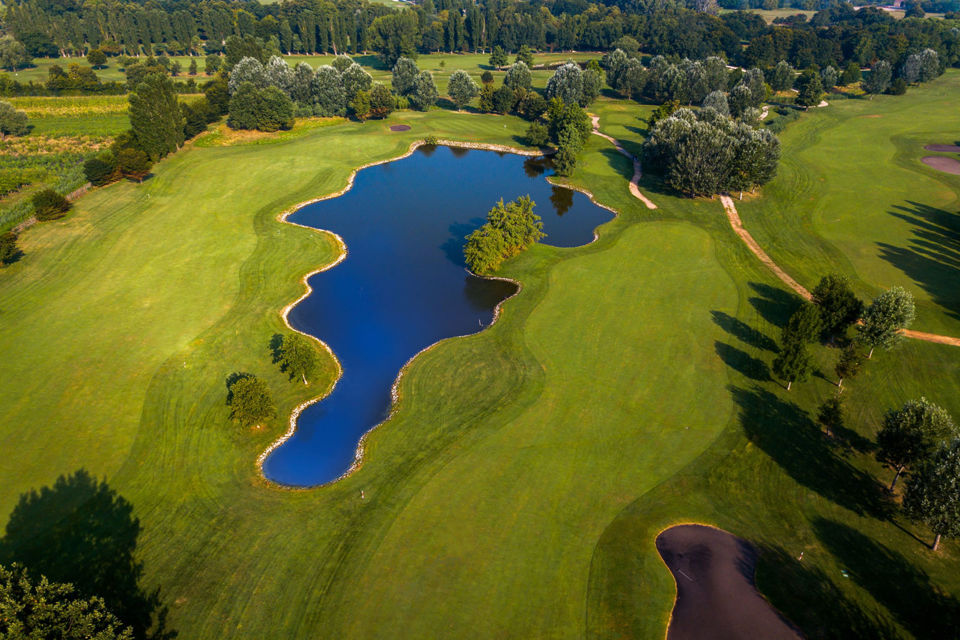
[399, 127]
[716, 596]
[872, 115]
[947, 165]
[943, 148]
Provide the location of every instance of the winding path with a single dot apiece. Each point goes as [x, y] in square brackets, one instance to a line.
[734, 217]
[637, 169]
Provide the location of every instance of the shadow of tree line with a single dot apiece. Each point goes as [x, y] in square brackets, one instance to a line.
[82, 532]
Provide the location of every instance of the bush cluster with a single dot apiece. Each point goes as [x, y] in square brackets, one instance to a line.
[509, 229]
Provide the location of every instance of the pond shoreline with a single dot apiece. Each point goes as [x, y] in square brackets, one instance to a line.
[283, 216]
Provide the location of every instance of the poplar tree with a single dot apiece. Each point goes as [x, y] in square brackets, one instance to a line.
[155, 117]
[462, 88]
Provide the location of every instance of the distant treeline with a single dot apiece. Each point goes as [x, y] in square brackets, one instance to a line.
[835, 36]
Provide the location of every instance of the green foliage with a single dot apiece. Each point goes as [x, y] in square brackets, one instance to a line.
[502, 100]
[851, 75]
[342, 62]
[424, 93]
[878, 80]
[266, 109]
[394, 36]
[39, 609]
[298, 357]
[911, 434]
[403, 75]
[101, 168]
[592, 83]
[830, 414]
[9, 251]
[518, 76]
[381, 101]
[848, 363]
[250, 400]
[804, 325]
[211, 64]
[933, 492]
[13, 122]
[486, 77]
[13, 55]
[49, 205]
[133, 163]
[839, 306]
[155, 117]
[192, 69]
[569, 143]
[360, 105]
[355, 79]
[564, 115]
[247, 46]
[793, 363]
[531, 106]
[809, 89]
[97, 58]
[509, 229]
[567, 85]
[328, 93]
[781, 78]
[887, 315]
[218, 96]
[462, 88]
[537, 134]
[525, 56]
[704, 153]
[898, 87]
[498, 58]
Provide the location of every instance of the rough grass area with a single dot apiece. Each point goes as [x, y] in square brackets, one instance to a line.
[519, 488]
[853, 196]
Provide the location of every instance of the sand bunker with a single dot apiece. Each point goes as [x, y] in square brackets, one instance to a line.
[947, 165]
[716, 596]
[399, 127]
[943, 148]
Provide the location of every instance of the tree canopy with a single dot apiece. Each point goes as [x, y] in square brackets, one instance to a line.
[933, 493]
[885, 318]
[155, 117]
[911, 433]
[250, 400]
[509, 229]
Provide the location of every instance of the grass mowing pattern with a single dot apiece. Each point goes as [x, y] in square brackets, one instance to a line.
[521, 483]
[853, 196]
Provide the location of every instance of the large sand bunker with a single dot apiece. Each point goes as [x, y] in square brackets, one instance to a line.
[941, 163]
[716, 597]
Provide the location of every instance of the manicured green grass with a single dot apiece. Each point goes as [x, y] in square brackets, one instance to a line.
[518, 489]
[852, 196]
[100, 116]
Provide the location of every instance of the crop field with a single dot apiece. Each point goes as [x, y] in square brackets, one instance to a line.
[625, 389]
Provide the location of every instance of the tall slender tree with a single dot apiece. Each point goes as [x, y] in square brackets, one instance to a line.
[155, 117]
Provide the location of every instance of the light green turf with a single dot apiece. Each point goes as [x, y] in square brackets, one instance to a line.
[518, 488]
[853, 196]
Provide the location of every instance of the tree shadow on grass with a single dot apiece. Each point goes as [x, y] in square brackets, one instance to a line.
[809, 599]
[744, 332]
[276, 348]
[80, 531]
[933, 258]
[742, 362]
[904, 589]
[786, 433]
[773, 304]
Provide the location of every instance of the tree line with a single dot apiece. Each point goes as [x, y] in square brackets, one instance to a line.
[835, 36]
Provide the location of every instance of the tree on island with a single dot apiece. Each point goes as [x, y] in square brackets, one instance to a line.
[883, 321]
[911, 434]
[250, 400]
[509, 229]
[462, 88]
[933, 493]
[298, 356]
[38, 608]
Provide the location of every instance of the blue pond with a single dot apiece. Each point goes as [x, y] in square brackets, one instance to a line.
[404, 286]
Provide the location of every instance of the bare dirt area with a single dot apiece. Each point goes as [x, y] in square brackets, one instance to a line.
[943, 148]
[716, 596]
[399, 127]
[940, 163]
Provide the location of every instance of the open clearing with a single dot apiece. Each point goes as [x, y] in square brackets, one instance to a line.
[520, 486]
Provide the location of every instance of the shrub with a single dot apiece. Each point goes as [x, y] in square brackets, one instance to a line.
[101, 169]
[537, 134]
[13, 122]
[133, 164]
[49, 205]
[381, 101]
[9, 251]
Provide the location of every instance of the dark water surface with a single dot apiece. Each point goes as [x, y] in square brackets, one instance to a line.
[403, 285]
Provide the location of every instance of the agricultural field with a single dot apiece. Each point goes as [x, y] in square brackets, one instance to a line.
[627, 388]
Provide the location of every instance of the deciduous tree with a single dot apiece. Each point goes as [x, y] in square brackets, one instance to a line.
[462, 88]
[404, 73]
[155, 116]
[250, 401]
[567, 84]
[13, 122]
[793, 363]
[839, 306]
[298, 356]
[424, 93]
[49, 205]
[518, 76]
[933, 493]
[912, 433]
[885, 318]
